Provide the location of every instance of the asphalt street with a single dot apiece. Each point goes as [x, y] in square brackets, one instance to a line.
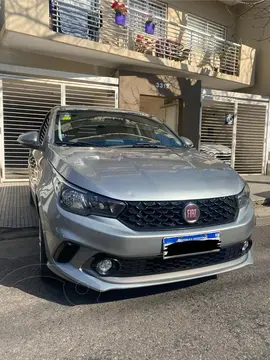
[218, 319]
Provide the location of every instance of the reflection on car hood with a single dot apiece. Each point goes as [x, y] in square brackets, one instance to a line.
[146, 174]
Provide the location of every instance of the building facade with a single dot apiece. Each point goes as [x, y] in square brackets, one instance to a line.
[79, 52]
[253, 28]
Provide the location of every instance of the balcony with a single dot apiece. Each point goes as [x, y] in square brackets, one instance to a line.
[88, 33]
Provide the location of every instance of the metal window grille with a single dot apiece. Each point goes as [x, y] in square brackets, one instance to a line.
[80, 18]
[209, 27]
[139, 11]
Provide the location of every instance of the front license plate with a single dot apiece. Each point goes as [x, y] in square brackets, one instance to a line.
[190, 244]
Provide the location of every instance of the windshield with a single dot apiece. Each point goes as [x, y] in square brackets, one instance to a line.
[106, 129]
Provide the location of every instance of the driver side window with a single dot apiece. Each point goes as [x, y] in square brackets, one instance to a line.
[44, 128]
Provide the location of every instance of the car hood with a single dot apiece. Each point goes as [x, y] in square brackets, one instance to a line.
[146, 174]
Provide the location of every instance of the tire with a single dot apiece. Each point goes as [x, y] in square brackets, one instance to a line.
[45, 273]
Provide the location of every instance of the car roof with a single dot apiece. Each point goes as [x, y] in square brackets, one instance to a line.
[101, 109]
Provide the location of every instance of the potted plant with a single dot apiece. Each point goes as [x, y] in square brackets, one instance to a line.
[150, 25]
[144, 45]
[120, 13]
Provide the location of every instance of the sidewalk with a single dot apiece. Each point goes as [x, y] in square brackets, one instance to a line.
[15, 209]
[259, 188]
[260, 195]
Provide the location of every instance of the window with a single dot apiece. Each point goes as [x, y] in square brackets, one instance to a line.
[79, 18]
[201, 43]
[206, 26]
[138, 11]
[44, 128]
[106, 129]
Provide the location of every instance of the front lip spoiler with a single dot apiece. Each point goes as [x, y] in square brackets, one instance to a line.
[68, 272]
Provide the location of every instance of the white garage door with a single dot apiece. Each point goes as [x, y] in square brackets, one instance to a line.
[25, 104]
[214, 131]
[235, 127]
[250, 138]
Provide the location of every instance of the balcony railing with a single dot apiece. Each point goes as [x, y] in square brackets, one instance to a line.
[94, 20]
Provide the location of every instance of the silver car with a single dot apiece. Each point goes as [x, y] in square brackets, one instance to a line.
[123, 202]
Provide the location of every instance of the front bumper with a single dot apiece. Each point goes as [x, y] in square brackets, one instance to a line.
[97, 235]
[68, 272]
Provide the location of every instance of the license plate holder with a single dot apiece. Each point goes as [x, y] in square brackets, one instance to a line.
[179, 246]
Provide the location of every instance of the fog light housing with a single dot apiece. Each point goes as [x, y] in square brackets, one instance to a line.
[65, 252]
[246, 246]
[104, 266]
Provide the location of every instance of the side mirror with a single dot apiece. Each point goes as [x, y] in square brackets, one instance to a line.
[187, 142]
[29, 140]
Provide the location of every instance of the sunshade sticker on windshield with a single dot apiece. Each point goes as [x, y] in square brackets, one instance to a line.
[66, 117]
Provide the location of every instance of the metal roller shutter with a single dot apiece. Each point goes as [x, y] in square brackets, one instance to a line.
[96, 97]
[214, 131]
[25, 105]
[250, 138]
[246, 136]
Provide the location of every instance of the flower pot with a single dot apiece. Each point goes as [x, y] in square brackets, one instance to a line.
[120, 19]
[150, 28]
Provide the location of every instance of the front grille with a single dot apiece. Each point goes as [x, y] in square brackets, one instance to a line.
[167, 215]
[152, 266]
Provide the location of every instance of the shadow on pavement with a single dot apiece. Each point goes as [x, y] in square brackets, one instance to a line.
[264, 195]
[65, 293]
[258, 182]
[19, 268]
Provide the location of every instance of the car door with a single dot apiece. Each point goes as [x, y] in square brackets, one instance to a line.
[36, 155]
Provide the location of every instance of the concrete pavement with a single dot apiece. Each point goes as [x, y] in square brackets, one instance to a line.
[226, 318]
[15, 209]
[259, 188]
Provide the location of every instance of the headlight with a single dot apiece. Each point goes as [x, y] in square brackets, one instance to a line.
[243, 197]
[86, 203]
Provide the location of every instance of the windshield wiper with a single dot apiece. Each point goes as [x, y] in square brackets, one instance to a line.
[80, 144]
[89, 144]
[141, 145]
[149, 145]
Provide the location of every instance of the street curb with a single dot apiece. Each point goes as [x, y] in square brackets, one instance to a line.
[263, 221]
[258, 202]
[265, 202]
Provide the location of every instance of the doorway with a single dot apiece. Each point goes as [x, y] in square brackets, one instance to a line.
[167, 110]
